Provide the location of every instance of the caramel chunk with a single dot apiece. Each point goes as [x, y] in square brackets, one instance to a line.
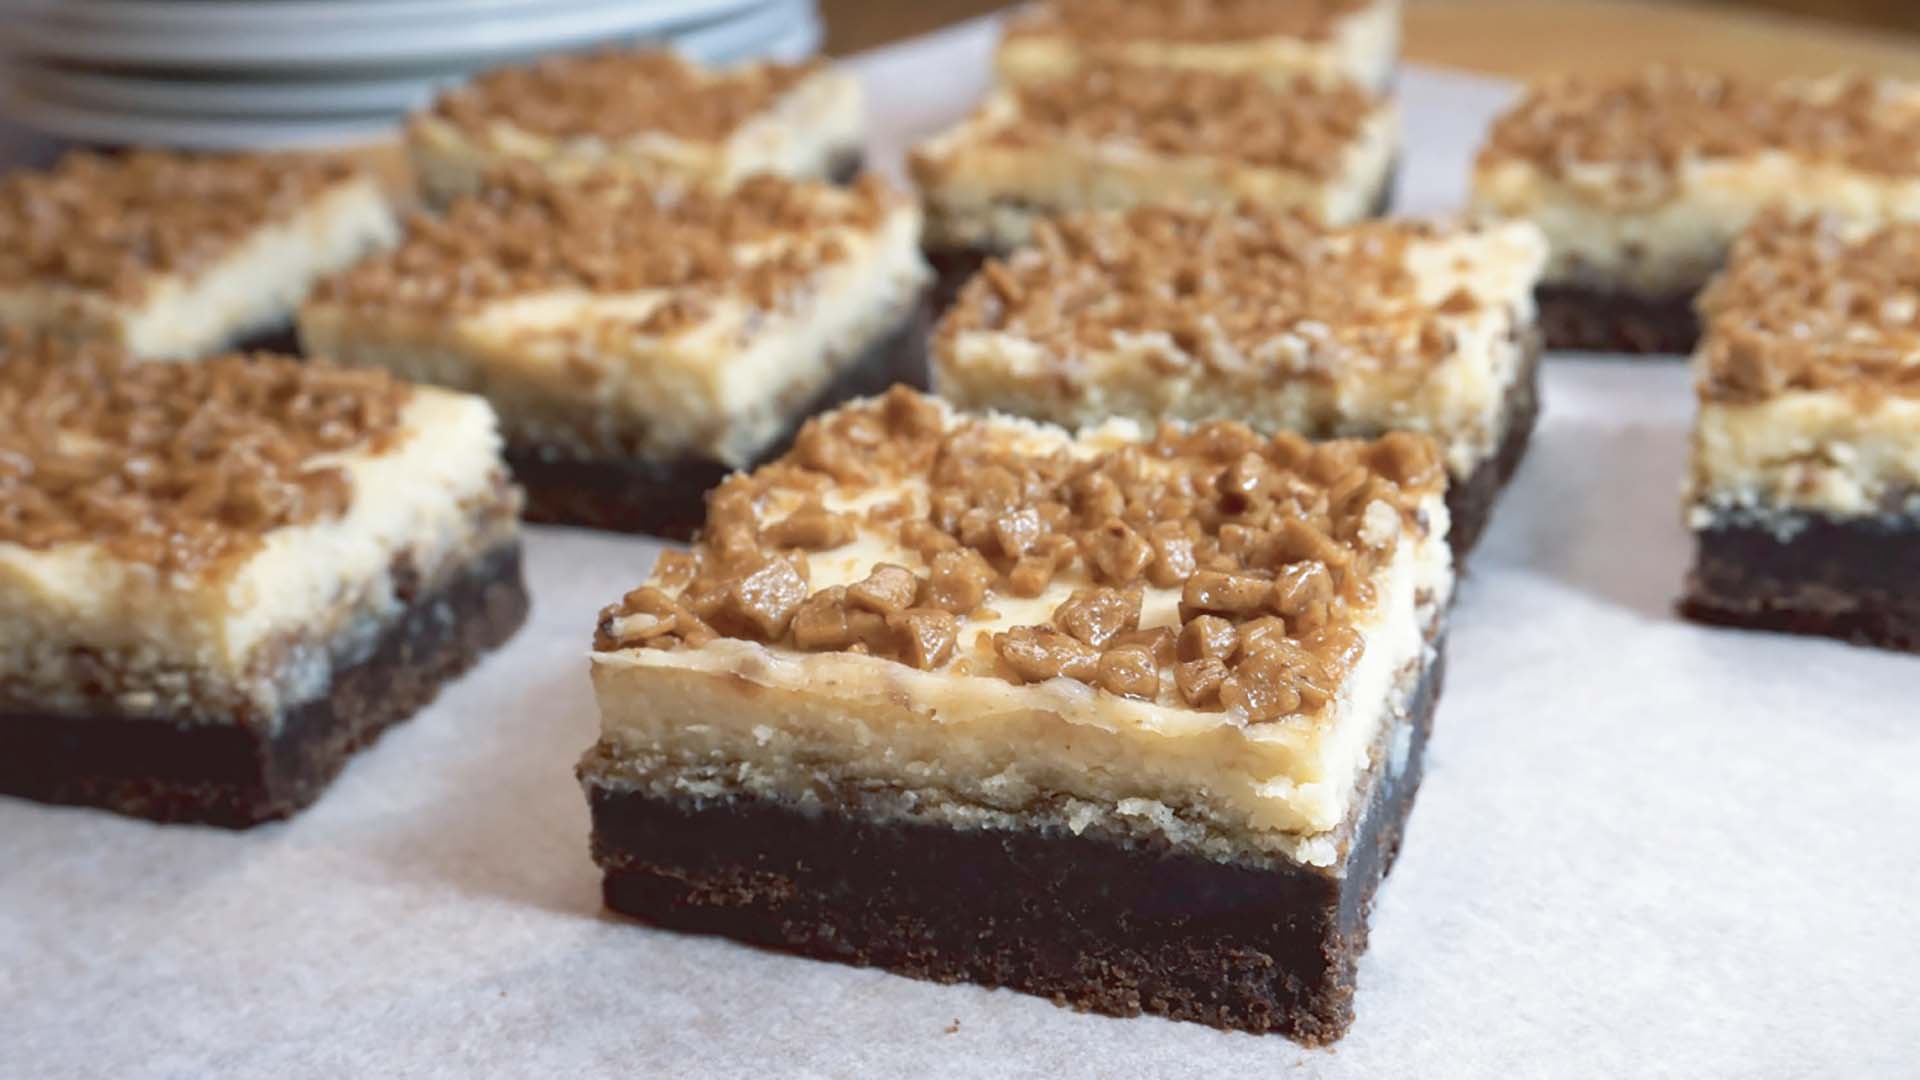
[927, 636]
[959, 581]
[1260, 690]
[1230, 594]
[1173, 560]
[1037, 654]
[889, 588]
[1097, 616]
[1117, 552]
[1207, 636]
[1129, 671]
[1303, 590]
[812, 527]
[760, 605]
[1200, 681]
[820, 625]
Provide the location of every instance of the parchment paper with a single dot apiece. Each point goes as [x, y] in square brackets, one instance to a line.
[1643, 848]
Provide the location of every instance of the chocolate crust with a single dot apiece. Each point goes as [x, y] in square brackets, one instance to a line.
[668, 498]
[1099, 924]
[1591, 320]
[1470, 501]
[240, 774]
[953, 267]
[1856, 579]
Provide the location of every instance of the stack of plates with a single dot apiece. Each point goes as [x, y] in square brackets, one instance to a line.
[226, 74]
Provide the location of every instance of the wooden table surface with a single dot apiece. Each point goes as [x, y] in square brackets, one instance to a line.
[1527, 38]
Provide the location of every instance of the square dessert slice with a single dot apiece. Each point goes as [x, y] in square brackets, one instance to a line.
[1805, 490]
[647, 114]
[1107, 137]
[1357, 40]
[1641, 184]
[639, 345]
[219, 580]
[1131, 721]
[1268, 319]
[173, 256]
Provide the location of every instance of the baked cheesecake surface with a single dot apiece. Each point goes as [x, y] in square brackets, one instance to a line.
[605, 319]
[1269, 319]
[1197, 636]
[1642, 182]
[1112, 136]
[174, 256]
[204, 541]
[647, 114]
[1808, 379]
[1330, 40]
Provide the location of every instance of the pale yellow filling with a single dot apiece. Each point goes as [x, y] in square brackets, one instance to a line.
[1819, 452]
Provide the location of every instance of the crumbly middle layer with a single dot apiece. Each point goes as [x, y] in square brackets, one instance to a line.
[1263, 319]
[79, 624]
[1115, 137]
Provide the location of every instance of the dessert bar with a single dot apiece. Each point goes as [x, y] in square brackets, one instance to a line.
[639, 344]
[219, 580]
[1805, 489]
[1129, 720]
[1641, 184]
[1107, 137]
[172, 256]
[645, 114]
[1268, 319]
[1357, 40]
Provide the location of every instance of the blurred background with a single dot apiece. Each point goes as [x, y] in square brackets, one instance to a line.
[221, 74]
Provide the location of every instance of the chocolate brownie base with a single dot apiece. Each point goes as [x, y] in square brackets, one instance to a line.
[1857, 579]
[953, 267]
[1470, 501]
[1590, 320]
[1101, 924]
[239, 772]
[668, 498]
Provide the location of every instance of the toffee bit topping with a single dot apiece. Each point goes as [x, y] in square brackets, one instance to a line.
[112, 224]
[1304, 127]
[1654, 121]
[1263, 542]
[1281, 293]
[619, 94]
[1111, 22]
[1814, 304]
[525, 234]
[181, 466]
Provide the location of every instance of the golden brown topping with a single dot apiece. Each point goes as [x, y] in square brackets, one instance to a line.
[1036, 654]
[526, 234]
[1106, 22]
[812, 527]
[183, 466]
[1281, 294]
[112, 224]
[1268, 542]
[888, 589]
[1305, 127]
[620, 94]
[1813, 304]
[1653, 121]
[959, 581]
[1097, 616]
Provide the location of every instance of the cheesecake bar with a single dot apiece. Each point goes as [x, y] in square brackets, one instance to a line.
[1131, 719]
[1268, 319]
[639, 345]
[1329, 40]
[1108, 137]
[173, 257]
[219, 580]
[1805, 489]
[646, 114]
[1642, 183]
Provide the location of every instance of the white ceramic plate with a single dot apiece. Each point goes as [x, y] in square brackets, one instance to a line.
[466, 41]
[114, 127]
